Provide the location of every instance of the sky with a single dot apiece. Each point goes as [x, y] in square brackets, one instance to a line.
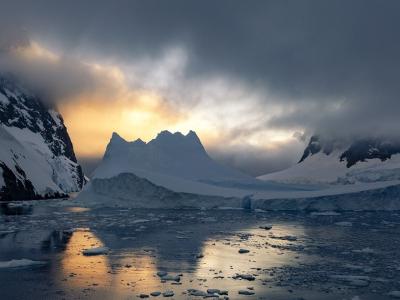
[254, 79]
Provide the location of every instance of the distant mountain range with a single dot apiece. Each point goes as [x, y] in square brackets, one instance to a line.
[37, 159]
[173, 170]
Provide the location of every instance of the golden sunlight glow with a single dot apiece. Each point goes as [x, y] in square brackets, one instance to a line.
[112, 104]
[82, 269]
[142, 276]
[91, 121]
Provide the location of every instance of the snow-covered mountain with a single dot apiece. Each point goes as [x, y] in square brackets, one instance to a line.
[169, 154]
[175, 171]
[172, 170]
[338, 162]
[37, 159]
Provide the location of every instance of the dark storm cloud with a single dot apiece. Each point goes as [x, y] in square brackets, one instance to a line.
[335, 64]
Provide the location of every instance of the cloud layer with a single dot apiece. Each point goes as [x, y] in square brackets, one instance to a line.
[250, 73]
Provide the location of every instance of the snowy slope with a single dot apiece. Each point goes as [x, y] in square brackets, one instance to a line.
[328, 169]
[174, 171]
[36, 154]
[359, 162]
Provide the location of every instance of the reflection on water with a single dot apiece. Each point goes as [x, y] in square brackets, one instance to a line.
[133, 269]
[202, 247]
[83, 271]
[119, 274]
[221, 258]
[263, 251]
[135, 272]
[76, 209]
[131, 266]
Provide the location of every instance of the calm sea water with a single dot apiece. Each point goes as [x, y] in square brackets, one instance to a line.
[303, 256]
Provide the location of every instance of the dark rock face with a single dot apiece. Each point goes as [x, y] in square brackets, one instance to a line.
[315, 145]
[15, 188]
[356, 151]
[369, 149]
[21, 109]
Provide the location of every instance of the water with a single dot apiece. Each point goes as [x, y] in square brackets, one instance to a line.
[303, 256]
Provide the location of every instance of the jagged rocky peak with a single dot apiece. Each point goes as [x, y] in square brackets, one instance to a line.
[316, 145]
[171, 154]
[353, 150]
[37, 158]
[164, 139]
[116, 138]
[370, 148]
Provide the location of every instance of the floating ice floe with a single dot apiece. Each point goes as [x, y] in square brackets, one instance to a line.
[20, 263]
[143, 296]
[354, 280]
[244, 276]
[96, 251]
[217, 291]
[290, 238]
[168, 277]
[168, 294]
[246, 292]
[161, 273]
[366, 250]
[344, 224]
[197, 293]
[266, 227]
[325, 213]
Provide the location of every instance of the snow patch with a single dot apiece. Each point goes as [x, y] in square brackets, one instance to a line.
[4, 100]
[20, 263]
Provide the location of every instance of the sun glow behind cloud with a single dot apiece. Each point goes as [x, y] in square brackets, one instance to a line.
[91, 121]
[140, 98]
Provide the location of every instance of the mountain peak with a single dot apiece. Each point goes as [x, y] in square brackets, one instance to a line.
[170, 154]
[164, 133]
[116, 138]
[166, 137]
[353, 151]
[192, 134]
[37, 158]
[139, 141]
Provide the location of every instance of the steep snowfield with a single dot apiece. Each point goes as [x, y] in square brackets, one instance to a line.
[36, 154]
[33, 163]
